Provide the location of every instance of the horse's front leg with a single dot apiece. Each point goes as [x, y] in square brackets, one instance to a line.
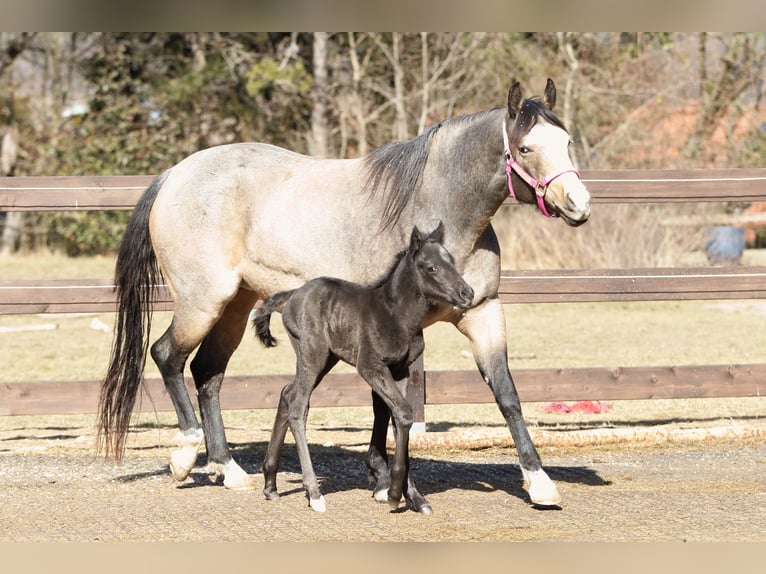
[484, 326]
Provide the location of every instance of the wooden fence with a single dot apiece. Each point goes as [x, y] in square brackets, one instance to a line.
[432, 387]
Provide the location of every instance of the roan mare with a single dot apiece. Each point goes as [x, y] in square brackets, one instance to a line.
[378, 329]
[233, 224]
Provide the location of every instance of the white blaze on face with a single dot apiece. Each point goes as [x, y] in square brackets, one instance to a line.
[548, 155]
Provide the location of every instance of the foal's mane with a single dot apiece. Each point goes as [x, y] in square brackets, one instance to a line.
[390, 269]
[395, 169]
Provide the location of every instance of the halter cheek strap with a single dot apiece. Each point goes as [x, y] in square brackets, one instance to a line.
[539, 185]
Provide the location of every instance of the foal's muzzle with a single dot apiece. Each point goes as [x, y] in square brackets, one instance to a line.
[464, 298]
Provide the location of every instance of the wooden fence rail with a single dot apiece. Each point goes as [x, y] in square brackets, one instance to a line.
[433, 387]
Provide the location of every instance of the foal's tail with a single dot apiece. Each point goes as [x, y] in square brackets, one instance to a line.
[136, 274]
[262, 318]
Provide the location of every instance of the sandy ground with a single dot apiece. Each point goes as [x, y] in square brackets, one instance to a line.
[622, 484]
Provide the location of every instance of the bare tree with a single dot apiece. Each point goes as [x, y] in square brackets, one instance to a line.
[9, 152]
[319, 131]
[11, 47]
[740, 68]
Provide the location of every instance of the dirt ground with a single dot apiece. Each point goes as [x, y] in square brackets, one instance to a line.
[631, 484]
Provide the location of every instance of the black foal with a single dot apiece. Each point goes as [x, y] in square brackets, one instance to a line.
[377, 329]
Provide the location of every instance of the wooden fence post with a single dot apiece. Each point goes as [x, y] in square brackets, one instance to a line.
[416, 395]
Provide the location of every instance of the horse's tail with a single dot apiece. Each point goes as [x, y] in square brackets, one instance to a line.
[136, 274]
[262, 318]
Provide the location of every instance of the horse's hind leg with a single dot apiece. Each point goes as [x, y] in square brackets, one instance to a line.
[208, 369]
[170, 353]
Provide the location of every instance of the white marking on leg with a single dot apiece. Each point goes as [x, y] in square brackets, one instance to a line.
[381, 495]
[541, 489]
[318, 504]
[182, 460]
[235, 478]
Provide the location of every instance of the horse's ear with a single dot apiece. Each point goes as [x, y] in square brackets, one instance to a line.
[416, 240]
[549, 97]
[514, 99]
[437, 235]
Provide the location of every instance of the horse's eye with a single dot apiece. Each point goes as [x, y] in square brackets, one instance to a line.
[432, 269]
[524, 150]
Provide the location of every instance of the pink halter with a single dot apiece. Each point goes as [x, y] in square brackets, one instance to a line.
[539, 185]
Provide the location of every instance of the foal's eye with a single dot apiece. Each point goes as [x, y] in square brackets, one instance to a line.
[524, 150]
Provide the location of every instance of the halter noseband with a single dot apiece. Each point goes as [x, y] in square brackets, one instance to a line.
[539, 185]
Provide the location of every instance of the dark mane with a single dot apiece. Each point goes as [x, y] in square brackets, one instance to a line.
[394, 169]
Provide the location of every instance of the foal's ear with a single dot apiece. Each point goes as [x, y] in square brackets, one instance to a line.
[549, 97]
[416, 240]
[437, 235]
[514, 100]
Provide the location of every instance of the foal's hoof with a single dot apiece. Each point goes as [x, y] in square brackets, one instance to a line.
[541, 489]
[318, 504]
[425, 509]
[270, 494]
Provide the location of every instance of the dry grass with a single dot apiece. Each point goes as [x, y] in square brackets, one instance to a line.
[616, 236]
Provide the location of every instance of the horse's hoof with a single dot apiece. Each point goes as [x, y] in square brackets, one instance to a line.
[237, 479]
[394, 503]
[541, 489]
[380, 495]
[182, 461]
[247, 482]
[318, 504]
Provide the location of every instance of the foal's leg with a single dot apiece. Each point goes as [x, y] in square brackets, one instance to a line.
[297, 413]
[380, 379]
[485, 328]
[208, 369]
[377, 458]
[276, 442]
[293, 412]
